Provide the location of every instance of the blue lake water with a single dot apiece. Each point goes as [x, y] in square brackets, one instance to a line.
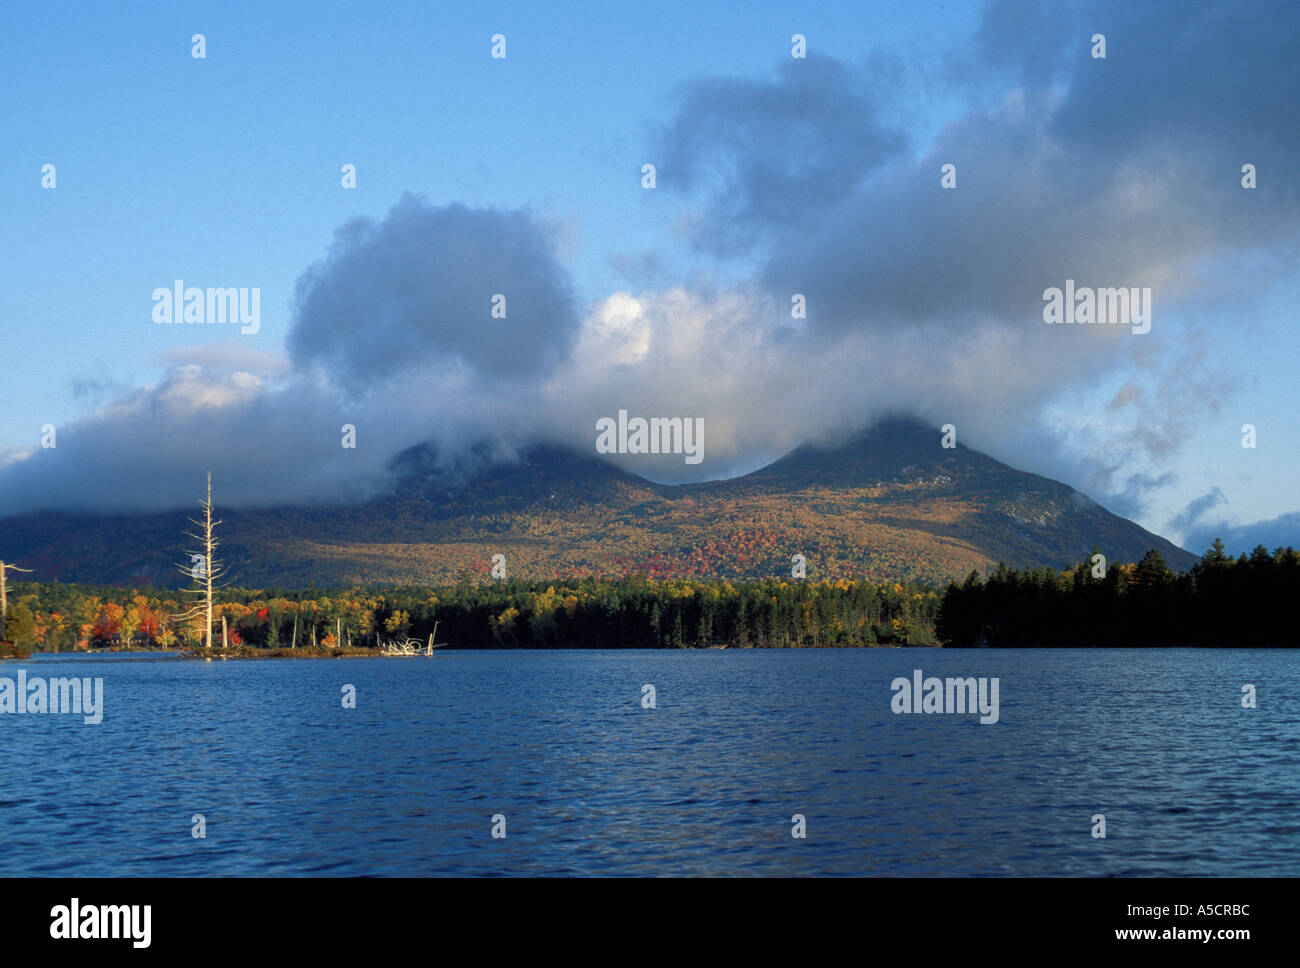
[591, 783]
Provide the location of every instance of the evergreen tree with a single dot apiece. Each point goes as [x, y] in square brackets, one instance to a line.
[21, 627]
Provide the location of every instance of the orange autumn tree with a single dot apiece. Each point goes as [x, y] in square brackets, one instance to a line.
[107, 623]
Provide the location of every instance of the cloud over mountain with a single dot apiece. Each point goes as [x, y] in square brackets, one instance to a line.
[808, 180]
[418, 287]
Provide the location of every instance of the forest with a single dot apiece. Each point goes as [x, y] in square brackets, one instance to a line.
[1220, 601]
[638, 612]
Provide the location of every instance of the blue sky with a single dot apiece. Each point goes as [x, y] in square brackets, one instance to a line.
[225, 171]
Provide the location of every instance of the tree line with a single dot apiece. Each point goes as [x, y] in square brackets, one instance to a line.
[1220, 601]
[637, 612]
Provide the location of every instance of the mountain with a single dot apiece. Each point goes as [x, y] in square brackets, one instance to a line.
[888, 504]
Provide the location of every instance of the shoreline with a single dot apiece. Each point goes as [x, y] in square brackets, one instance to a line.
[360, 653]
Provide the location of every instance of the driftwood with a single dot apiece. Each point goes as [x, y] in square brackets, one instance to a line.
[394, 647]
[410, 646]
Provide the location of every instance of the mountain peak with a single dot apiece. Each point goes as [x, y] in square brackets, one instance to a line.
[887, 502]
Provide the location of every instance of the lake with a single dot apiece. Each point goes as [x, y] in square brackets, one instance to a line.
[706, 783]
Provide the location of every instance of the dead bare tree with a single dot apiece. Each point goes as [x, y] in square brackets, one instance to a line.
[4, 596]
[205, 568]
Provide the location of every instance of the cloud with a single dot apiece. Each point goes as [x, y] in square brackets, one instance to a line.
[92, 387]
[1197, 509]
[1116, 172]
[1282, 531]
[229, 356]
[1199, 531]
[392, 334]
[419, 286]
[150, 448]
[772, 155]
[1122, 172]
